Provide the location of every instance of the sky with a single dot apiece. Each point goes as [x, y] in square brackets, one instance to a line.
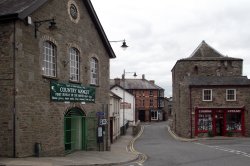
[160, 32]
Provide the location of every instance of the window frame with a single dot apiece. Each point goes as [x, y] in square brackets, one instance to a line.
[234, 95]
[94, 70]
[155, 113]
[203, 95]
[74, 64]
[49, 66]
[151, 102]
[204, 122]
[229, 125]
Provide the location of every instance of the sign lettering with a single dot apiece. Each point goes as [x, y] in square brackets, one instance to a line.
[62, 92]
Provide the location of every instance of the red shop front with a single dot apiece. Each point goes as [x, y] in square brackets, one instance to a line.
[220, 121]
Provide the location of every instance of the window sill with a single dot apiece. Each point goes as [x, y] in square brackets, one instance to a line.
[74, 82]
[94, 85]
[50, 77]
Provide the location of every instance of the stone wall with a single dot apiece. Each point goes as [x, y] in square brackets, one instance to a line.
[181, 94]
[39, 119]
[6, 88]
[219, 100]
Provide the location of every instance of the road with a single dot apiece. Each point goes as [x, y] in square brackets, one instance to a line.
[163, 150]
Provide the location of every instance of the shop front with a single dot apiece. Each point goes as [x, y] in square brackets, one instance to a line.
[219, 121]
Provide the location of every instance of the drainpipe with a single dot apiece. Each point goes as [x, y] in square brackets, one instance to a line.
[190, 106]
[14, 89]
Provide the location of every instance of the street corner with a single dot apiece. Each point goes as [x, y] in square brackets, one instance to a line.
[176, 137]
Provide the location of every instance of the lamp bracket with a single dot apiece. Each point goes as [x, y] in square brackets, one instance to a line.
[39, 23]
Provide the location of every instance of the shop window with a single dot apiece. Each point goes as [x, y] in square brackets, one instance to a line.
[49, 59]
[154, 115]
[204, 122]
[234, 122]
[231, 94]
[207, 95]
[74, 64]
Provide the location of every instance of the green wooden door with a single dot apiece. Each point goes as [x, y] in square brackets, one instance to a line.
[74, 131]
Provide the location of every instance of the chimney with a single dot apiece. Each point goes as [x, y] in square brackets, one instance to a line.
[117, 81]
[143, 76]
[152, 81]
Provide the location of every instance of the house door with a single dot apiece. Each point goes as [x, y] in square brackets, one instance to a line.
[111, 130]
[219, 124]
[74, 130]
[142, 115]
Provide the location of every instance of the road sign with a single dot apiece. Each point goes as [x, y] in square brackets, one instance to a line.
[103, 121]
[100, 114]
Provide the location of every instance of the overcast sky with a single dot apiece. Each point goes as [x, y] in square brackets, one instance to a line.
[159, 32]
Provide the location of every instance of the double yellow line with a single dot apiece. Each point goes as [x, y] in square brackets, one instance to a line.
[141, 157]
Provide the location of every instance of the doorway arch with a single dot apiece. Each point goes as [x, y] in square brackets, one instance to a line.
[74, 130]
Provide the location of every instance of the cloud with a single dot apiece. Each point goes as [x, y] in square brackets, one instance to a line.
[160, 32]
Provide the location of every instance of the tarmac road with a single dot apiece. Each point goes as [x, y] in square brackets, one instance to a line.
[162, 149]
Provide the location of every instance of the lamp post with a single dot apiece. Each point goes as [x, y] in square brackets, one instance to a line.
[123, 108]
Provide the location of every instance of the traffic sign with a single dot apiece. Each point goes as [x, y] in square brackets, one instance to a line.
[100, 114]
[103, 122]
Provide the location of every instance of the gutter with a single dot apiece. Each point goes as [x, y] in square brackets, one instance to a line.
[190, 106]
[14, 89]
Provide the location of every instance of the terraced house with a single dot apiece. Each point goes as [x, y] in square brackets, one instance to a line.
[54, 78]
[210, 95]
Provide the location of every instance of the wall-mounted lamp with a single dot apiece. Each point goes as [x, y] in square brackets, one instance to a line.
[124, 44]
[39, 23]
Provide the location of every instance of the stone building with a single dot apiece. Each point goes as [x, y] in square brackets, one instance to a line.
[167, 108]
[149, 97]
[54, 77]
[210, 95]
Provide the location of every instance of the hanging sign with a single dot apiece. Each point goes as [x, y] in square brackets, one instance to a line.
[61, 92]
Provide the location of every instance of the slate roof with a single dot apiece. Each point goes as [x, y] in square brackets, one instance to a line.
[20, 9]
[206, 52]
[136, 84]
[218, 81]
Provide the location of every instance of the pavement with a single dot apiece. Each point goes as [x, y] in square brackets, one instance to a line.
[121, 152]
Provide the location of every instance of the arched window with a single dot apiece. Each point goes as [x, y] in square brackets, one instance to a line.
[49, 59]
[74, 64]
[94, 71]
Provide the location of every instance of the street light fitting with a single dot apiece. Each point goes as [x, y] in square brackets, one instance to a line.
[124, 44]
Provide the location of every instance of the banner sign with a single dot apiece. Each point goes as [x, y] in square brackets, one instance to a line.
[61, 92]
[125, 105]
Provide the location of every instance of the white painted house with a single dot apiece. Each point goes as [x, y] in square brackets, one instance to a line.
[127, 108]
[114, 116]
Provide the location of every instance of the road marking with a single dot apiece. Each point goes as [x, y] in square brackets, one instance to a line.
[226, 149]
[142, 157]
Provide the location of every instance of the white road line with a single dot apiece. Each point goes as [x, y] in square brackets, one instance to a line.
[225, 149]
